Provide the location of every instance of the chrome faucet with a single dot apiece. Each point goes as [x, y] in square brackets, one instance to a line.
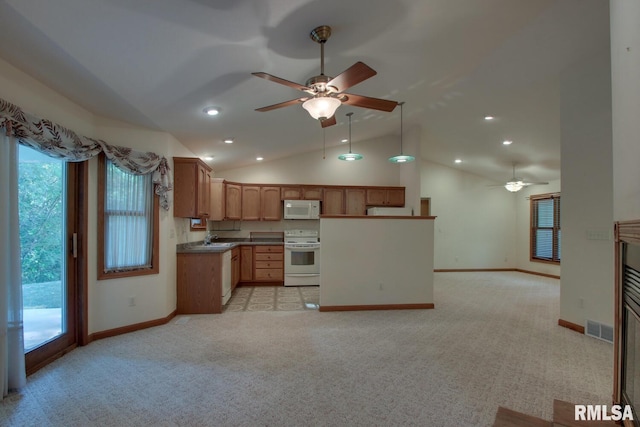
[209, 237]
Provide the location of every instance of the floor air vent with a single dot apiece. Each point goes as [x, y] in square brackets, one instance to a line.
[600, 331]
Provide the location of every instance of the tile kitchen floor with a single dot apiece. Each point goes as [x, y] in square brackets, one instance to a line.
[273, 298]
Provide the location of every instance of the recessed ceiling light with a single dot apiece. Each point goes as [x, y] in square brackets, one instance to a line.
[208, 158]
[228, 140]
[489, 118]
[344, 140]
[259, 158]
[212, 111]
[458, 160]
[507, 142]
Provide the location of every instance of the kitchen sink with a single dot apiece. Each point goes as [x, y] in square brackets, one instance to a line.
[220, 245]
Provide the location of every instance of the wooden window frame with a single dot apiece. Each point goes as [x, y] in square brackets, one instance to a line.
[555, 229]
[155, 258]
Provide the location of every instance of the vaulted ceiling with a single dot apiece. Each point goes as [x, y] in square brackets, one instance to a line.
[159, 63]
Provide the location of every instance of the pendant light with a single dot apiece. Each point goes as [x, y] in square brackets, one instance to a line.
[349, 157]
[401, 158]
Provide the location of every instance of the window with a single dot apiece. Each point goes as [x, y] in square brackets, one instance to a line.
[545, 228]
[128, 223]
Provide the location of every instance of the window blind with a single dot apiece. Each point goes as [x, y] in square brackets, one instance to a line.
[545, 228]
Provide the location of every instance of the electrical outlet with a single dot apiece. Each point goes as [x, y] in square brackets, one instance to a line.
[581, 302]
[132, 301]
[380, 288]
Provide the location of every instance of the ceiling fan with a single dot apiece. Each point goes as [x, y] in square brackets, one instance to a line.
[517, 184]
[326, 93]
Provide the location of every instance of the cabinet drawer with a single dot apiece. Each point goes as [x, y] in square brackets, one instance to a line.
[269, 257]
[269, 274]
[269, 264]
[263, 249]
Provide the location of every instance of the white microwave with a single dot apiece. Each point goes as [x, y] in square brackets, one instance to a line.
[301, 209]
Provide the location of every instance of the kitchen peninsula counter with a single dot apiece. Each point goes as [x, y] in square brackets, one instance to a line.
[376, 262]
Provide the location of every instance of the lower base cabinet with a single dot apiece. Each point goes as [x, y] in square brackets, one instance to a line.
[262, 264]
[235, 267]
[199, 283]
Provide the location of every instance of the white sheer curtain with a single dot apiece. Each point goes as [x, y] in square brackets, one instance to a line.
[128, 220]
[12, 368]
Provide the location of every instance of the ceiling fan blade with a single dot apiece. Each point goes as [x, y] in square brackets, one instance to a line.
[367, 102]
[328, 122]
[535, 183]
[353, 75]
[282, 104]
[284, 82]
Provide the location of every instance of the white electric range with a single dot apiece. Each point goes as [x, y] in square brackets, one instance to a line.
[301, 258]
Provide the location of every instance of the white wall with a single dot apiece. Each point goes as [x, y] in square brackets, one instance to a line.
[410, 172]
[475, 226]
[523, 224]
[311, 168]
[586, 289]
[108, 299]
[375, 260]
[155, 294]
[625, 69]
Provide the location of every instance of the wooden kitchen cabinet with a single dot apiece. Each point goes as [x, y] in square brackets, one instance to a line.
[385, 197]
[290, 193]
[300, 192]
[191, 186]
[270, 204]
[250, 203]
[312, 193]
[355, 200]
[261, 203]
[235, 267]
[233, 199]
[199, 283]
[333, 201]
[268, 263]
[218, 200]
[246, 263]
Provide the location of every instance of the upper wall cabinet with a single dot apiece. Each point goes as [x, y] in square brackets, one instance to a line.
[218, 200]
[261, 203]
[250, 203]
[301, 192]
[233, 201]
[270, 204]
[290, 192]
[312, 193]
[191, 183]
[333, 202]
[385, 197]
[355, 201]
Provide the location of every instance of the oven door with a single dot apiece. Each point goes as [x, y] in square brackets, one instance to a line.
[302, 258]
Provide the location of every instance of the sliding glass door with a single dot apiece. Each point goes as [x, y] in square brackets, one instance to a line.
[48, 219]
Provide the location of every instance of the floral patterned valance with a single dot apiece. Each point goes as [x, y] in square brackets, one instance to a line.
[62, 143]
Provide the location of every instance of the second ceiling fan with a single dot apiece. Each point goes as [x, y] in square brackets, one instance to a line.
[326, 93]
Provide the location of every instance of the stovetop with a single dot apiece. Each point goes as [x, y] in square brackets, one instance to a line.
[301, 236]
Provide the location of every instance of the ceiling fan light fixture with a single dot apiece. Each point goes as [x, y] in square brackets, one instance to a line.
[514, 186]
[321, 107]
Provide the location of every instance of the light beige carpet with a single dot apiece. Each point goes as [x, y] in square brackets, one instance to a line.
[491, 341]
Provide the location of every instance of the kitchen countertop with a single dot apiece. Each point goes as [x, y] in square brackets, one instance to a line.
[199, 247]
